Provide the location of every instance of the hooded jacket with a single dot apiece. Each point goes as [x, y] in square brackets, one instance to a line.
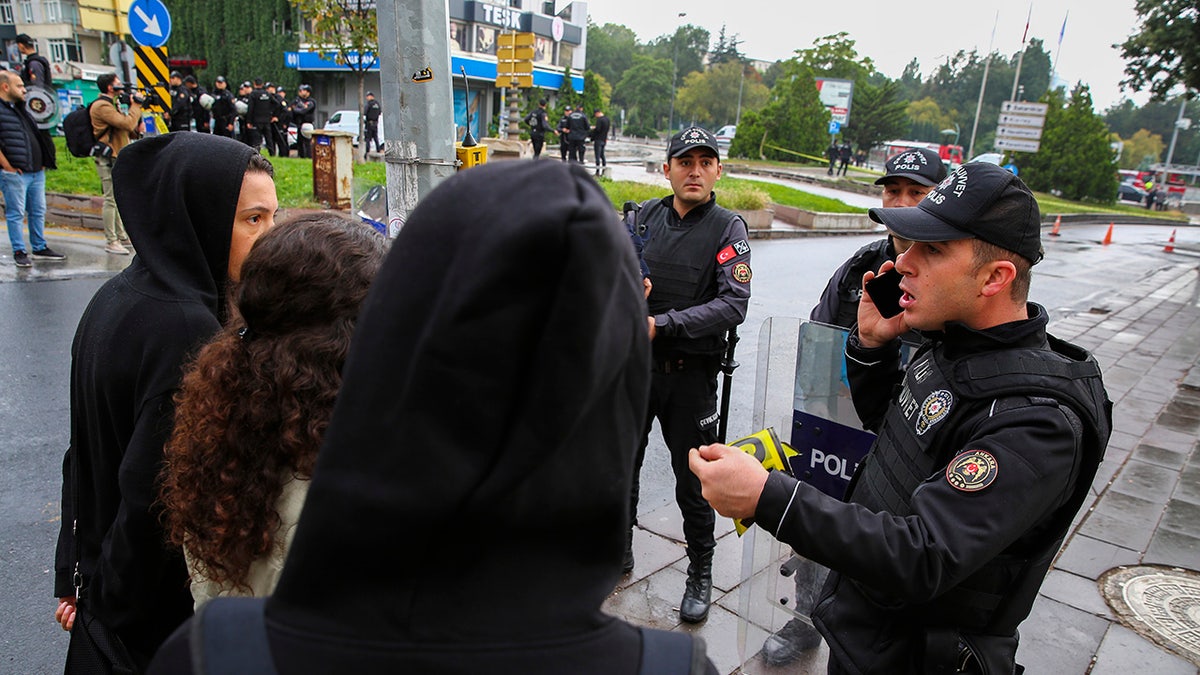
[178, 195]
[468, 509]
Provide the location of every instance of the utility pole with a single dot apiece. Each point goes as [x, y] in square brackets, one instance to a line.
[987, 64]
[416, 82]
[674, 70]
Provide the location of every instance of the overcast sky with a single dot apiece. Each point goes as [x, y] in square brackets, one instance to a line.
[892, 33]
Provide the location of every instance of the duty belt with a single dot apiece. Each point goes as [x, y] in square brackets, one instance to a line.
[679, 364]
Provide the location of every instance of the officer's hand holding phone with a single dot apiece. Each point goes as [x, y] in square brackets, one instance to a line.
[880, 317]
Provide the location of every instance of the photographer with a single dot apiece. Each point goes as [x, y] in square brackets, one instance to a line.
[115, 129]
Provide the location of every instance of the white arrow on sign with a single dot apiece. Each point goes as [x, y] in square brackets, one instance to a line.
[151, 22]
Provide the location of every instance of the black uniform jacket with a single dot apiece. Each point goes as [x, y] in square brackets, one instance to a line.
[889, 568]
[469, 506]
[177, 194]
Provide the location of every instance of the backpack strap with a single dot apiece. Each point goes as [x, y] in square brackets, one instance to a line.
[666, 652]
[229, 636]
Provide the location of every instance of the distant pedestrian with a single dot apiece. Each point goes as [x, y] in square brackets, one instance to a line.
[304, 111]
[832, 153]
[599, 136]
[113, 126]
[563, 129]
[200, 114]
[371, 114]
[24, 157]
[577, 134]
[180, 116]
[259, 117]
[844, 154]
[223, 110]
[538, 125]
[36, 69]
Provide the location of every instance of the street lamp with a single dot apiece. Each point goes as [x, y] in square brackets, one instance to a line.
[674, 70]
[952, 131]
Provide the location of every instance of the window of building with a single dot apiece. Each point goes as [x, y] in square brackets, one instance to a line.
[565, 53]
[6, 12]
[27, 11]
[485, 40]
[459, 37]
[59, 50]
[52, 11]
[543, 50]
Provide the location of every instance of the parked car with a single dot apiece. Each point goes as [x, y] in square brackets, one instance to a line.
[1128, 192]
[347, 120]
[989, 157]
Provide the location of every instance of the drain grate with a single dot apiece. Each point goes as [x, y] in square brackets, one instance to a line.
[1162, 604]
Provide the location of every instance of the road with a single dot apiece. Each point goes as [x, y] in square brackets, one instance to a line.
[41, 307]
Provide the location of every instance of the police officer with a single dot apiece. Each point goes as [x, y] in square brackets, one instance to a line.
[577, 134]
[539, 124]
[241, 105]
[284, 115]
[304, 111]
[599, 136]
[699, 263]
[199, 113]
[180, 116]
[371, 113]
[988, 444]
[259, 117]
[223, 112]
[563, 129]
[909, 176]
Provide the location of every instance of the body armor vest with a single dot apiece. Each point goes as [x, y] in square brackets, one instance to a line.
[683, 262]
[915, 443]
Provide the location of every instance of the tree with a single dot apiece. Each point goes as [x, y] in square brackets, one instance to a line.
[725, 50]
[241, 39]
[1165, 51]
[645, 89]
[1143, 148]
[793, 120]
[926, 120]
[596, 93]
[610, 50]
[686, 48]
[711, 98]
[1075, 158]
[347, 30]
[835, 56]
[879, 115]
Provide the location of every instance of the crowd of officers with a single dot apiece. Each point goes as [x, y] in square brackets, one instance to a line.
[257, 114]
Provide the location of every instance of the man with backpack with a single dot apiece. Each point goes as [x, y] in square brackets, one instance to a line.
[538, 126]
[113, 128]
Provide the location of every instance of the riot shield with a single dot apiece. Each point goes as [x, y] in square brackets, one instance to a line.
[800, 386]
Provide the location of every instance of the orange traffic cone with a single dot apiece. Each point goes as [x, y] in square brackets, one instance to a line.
[1108, 235]
[1170, 247]
[1057, 223]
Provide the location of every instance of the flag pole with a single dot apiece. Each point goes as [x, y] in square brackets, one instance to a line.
[987, 64]
[1021, 54]
[1058, 49]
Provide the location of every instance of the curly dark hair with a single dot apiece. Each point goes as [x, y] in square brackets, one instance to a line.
[255, 402]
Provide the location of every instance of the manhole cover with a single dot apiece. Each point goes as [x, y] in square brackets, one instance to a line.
[1160, 603]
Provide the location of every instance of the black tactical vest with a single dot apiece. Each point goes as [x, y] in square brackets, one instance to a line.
[914, 445]
[683, 264]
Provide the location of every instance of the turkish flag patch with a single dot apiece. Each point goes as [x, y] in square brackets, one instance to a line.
[726, 255]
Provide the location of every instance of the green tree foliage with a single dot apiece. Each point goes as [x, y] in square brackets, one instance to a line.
[241, 39]
[610, 50]
[1158, 117]
[878, 115]
[725, 50]
[793, 119]
[926, 120]
[686, 48]
[710, 98]
[1141, 149]
[347, 30]
[835, 56]
[1075, 158]
[1165, 51]
[645, 91]
[596, 93]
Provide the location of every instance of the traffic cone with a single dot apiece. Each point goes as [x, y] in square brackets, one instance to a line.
[1170, 247]
[1108, 235]
[1057, 223]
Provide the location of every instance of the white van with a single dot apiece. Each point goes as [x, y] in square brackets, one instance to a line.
[347, 120]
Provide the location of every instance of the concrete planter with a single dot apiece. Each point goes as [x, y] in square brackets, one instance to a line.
[759, 219]
[819, 221]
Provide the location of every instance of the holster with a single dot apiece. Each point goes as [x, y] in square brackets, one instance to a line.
[948, 651]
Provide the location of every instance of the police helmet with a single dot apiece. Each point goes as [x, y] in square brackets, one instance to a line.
[306, 130]
[241, 107]
[206, 101]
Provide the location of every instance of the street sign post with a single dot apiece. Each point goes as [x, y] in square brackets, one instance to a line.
[149, 23]
[1020, 126]
[834, 127]
[1017, 145]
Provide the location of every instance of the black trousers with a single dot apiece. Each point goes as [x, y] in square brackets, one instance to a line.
[577, 149]
[684, 401]
[303, 146]
[564, 148]
[252, 137]
[371, 133]
[538, 140]
[601, 160]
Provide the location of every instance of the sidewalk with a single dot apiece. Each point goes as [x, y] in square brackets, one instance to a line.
[1145, 507]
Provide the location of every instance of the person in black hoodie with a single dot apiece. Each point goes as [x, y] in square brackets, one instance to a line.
[193, 204]
[468, 508]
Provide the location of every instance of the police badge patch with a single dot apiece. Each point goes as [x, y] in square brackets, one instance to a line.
[933, 410]
[972, 471]
[741, 273]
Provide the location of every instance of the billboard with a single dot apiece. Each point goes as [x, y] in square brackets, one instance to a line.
[836, 96]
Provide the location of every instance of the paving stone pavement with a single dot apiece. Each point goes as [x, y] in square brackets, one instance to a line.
[1145, 505]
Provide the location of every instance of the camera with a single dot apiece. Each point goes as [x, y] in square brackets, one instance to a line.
[142, 97]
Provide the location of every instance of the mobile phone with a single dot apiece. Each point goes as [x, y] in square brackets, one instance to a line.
[885, 292]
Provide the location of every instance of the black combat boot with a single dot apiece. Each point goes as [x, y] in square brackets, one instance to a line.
[627, 561]
[697, 594]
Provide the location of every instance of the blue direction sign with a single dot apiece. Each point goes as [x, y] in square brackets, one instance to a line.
[149, 23]
[834, 127]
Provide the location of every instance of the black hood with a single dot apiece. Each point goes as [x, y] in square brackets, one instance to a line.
[178, 195]
[474, 481]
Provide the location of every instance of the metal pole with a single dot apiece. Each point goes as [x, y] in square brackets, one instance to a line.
[741, 83]
[1021, 55]
[1178, 123]
[987, 64]
[674, 70]
[416, 82]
